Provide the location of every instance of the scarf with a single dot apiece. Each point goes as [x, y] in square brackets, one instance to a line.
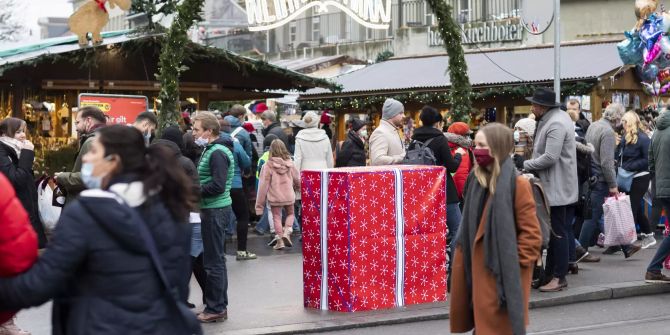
[500, 241]
[12, 143]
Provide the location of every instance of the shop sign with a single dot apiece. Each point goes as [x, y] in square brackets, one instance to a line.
[270, 14]
[488, 32]
[120, 109]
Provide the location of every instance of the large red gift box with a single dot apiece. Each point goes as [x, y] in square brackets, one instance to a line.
[374, 237]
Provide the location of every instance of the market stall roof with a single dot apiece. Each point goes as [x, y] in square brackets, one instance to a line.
[491, 68]
[132, 59]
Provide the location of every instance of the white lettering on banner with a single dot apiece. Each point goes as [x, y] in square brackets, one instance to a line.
[491, 31]
[373, 14]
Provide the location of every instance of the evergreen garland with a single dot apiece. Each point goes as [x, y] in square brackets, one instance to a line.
[509, 91]
[461, 91]
[171, 59]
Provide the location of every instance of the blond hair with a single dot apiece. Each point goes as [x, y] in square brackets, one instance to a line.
[634, 125]
[278, 149]
[208, 122]
[500, 140]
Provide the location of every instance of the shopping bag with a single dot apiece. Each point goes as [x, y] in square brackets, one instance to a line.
[619, 221]
[50, 201]
[666, 232]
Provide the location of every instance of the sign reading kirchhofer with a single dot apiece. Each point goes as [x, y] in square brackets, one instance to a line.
[486, 32]
[270, 14]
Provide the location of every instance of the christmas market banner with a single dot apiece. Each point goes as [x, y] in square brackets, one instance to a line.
[374, 237]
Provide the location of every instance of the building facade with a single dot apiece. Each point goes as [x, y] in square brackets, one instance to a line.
[413, 29]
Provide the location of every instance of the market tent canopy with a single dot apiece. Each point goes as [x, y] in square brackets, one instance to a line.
[131, 62]
[514, 66]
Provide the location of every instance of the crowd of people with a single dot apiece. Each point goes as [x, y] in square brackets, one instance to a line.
[143, 214]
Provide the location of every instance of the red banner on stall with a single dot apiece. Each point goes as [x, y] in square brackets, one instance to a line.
[120, 109]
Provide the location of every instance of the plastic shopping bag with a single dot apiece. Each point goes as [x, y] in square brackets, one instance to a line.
[619, 221]
[666, 232]
[50, 201]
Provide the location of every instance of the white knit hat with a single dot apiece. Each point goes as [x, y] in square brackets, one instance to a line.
[527, 125]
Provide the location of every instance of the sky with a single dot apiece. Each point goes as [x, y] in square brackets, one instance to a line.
[30, 11]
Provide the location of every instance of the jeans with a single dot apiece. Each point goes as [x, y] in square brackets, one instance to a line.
[453, 219]
[572, 245]
[591, 226]
[297, 210]
[214, 222]
[664, 249]
[559, 243]
[241, 210]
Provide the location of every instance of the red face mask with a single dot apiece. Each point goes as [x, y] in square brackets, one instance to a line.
[482, 157]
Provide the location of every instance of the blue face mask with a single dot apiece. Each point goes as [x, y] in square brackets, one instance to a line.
[92, 182]
[201, 142]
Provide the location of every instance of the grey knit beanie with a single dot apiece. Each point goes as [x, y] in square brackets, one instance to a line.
[392, 108]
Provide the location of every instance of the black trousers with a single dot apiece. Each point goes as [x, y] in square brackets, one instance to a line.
[637, 190]
[198, 266]
[241, 210]
[559, 244]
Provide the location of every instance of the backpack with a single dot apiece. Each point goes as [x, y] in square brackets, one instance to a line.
[542, 209]
[420, 154]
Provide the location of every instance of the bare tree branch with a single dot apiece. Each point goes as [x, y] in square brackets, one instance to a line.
[10, 27]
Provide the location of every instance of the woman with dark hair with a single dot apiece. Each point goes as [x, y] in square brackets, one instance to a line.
[497, 244]
[117, 261]
[17, 156]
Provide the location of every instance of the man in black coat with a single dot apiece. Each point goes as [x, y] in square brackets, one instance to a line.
[352, 152]
[272, 126]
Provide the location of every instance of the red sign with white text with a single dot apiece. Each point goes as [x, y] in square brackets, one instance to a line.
[120, 109]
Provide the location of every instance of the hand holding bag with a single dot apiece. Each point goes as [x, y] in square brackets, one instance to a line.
[619, 221]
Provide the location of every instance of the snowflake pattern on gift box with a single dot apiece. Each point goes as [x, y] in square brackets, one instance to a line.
[361, 238]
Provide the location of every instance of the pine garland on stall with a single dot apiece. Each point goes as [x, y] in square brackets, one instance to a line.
[461, 92]
[171, 59]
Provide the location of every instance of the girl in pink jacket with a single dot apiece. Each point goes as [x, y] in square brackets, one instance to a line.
[277, 183]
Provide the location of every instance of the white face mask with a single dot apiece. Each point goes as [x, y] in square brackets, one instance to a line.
[363, 133]
[517, 136]
[201, 141]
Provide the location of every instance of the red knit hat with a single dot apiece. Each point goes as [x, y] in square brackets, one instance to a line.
[261, 107]
[459, 128]
[248, 127]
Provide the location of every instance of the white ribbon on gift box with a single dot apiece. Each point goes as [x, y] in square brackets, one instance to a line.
[400, 240]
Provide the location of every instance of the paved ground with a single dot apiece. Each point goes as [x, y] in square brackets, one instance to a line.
[266, 295]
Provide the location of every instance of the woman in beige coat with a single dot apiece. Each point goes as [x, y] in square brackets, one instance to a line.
[495, 247]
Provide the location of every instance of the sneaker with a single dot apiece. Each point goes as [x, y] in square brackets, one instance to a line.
[601, 240]
[287, 238]
[279, 245]
[648, 240]
[245, 256]
[10, 328]
[656, 277]
[631, 250]
[273, 240]
[590, 259]
[612, 250]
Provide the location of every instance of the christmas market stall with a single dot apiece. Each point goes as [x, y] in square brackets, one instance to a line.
[42, 82]
[501, 79]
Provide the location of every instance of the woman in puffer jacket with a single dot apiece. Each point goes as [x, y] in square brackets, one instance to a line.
[457, 136]
[18, 245]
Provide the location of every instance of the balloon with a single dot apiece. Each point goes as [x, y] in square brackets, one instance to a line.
[665, 25]
[664, 76]
[630, 49]
[664, 41]
[651, 30]
[651, 89]
[648, 72]
[650, 55]
[663, 61]
[664, 88]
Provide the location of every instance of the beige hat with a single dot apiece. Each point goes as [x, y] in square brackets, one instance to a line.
[311, 120]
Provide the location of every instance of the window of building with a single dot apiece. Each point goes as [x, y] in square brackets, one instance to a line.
[316, 28]
[292, 31]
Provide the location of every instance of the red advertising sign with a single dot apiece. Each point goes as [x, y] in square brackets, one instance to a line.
[120, 109]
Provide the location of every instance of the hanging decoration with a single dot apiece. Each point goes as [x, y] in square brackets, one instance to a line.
[461, 91]
[515, 91]
[91, 18]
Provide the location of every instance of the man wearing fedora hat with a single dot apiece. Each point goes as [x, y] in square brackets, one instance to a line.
[554, 160]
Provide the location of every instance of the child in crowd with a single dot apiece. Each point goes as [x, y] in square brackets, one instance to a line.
[277, 183]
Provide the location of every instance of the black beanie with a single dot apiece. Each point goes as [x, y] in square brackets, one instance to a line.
[430, 116]
[175, 135]
[357, 124]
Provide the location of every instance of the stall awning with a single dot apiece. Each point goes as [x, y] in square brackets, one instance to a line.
[490, 68]
[132, 60]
